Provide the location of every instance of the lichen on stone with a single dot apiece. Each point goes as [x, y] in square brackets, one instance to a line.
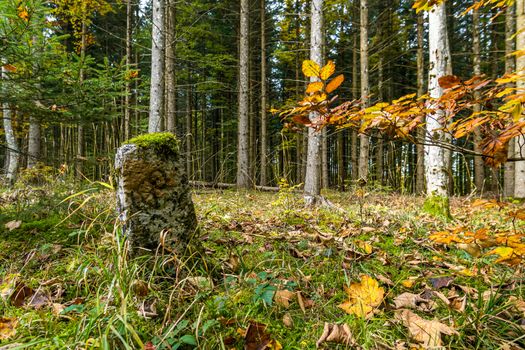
[160, 142]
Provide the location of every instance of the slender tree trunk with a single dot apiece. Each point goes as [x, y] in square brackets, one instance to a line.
[479, 171]
[33, 145]
[156, 103]
[171, 81]
[243, 137]
[264, 132]
[127, 95]
[80, 128]
[420, 149]
[510, 66]
[312, 184]
[365, 90]
[436, 165]
[519, 145]
[13, 152]
[189, 136]
[354, 141]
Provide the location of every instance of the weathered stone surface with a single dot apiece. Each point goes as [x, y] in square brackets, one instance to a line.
[153, 195]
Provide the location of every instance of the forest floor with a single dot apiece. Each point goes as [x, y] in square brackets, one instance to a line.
[363, 273]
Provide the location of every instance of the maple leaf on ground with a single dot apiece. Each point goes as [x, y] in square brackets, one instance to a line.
[363, 297]
[426, 332]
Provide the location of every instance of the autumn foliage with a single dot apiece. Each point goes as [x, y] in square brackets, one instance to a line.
[498, 117]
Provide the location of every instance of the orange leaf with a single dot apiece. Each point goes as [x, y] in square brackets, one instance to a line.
[314, 87]
[327, 70]
[448, 81]
[335, 83]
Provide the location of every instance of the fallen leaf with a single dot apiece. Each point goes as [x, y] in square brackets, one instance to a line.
[472, 248]
[13, 225]
[441, 282]
[38, 300]
[413, 301]
[7, 327]
[409, 282]
[459, 303]
[363, 297]
[287, 320]
[7, 286]
[426, 332]
[20, 294]
[336, 333]
[256, 338]
[283, 297]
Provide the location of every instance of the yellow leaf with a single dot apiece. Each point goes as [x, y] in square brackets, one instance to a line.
[310, 68]
[327, 70]
[7, 327]
[314, 87]
[363, 297]
[335, 83]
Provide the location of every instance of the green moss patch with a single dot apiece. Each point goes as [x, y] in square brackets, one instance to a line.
[438, 206]
[160, 142]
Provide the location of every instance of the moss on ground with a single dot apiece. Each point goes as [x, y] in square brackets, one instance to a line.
[438, 206]
[113, 302]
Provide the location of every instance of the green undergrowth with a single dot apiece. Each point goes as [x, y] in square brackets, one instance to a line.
[98, 298]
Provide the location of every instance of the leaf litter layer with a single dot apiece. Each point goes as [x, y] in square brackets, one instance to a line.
[361, 274]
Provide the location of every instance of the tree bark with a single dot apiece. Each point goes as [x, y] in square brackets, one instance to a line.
[243, 137]
[33, 145]
[519, 145]
[479, 171]
[355, 94]
[264, 133]
[510, 66]
[420, 149]
[171, 78]
[13, 152]
[436, 164]
[312, 184]
[365, 90]
[156, 103]
[127, 94]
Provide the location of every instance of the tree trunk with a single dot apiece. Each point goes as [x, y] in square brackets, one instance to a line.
[479, 171]
[420, 148]
[436, 165]
[243, 137]
[33, 145]
[355, 93]
[312, 184]
[156, 103]
[264, 134]
[13, 152]
[519, 145]
[363, 50]
[127, 94]
[171, 81]
[510, 66]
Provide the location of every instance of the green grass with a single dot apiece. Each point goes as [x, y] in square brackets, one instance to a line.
[258, 243]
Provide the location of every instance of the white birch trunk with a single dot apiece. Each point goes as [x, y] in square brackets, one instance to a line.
[243, 132]
[519, 145]
[13, 152]
[312, 183]
[435, 156]
[510, 66]
[479, 172]
[420, 172]
[171, 79]
[156, 103]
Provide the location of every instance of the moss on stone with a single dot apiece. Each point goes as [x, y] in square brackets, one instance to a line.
[160, 142]
[438, 206]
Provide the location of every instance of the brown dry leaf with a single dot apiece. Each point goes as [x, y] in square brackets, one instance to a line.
[336, 333]
[459, 303]
[7, 327]
[283, 297]
[441, 282]
[13, 225]
[256, 338]
[38, 300]
[57, 308]
[413, 301]
[20, 294]
[385, 280]
[287, 320]
[363, 297]
[426, 332]
[472, 248]
[367, 229]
